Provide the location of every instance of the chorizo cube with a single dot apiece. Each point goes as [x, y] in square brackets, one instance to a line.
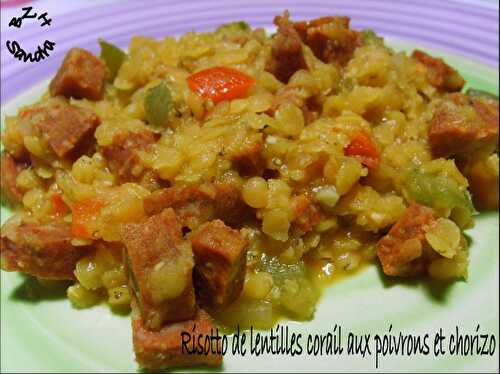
[439, 74]
[229, 204]
[65, 126]
[81, 75]
[122, 154]
[220, 257]
[197, 204]
[400, 251]
[193, 205]
[159, 268]
[8, 187]
[41, 250]
[248, 159]
[162, 349]
[287, 55]
[330, 38]
[461, 128]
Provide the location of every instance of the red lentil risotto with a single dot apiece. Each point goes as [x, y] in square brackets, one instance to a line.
[230, 175]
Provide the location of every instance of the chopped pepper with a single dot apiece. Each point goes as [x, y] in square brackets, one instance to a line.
[112, 56]
[84, 212]
[220, 83]
[437, 191]
[158, 104]
[58, 205]
[363, 148]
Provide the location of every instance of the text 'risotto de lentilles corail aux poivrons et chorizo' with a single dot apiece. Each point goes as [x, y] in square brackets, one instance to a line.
[229, 175]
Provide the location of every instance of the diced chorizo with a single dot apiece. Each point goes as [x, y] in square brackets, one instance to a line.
[122, 157]
[462, 126]
[439, 74]
[67, 126]
[41, 250]
[306, 213]
[228, 203]
[10, 170]
[487, 110]
[220, 257]
[159, 268]
[401, 251]
[287, 55]
[64, 126]
[81, 75]
[248, 159]
[330, 38]
[196, 204]
[192, 204]
[162, 349]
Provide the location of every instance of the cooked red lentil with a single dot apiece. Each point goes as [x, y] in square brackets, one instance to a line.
[236, 173]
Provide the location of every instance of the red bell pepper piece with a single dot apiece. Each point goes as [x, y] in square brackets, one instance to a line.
[59, 207]
[84, 212]
[220, 83]
[363, 148]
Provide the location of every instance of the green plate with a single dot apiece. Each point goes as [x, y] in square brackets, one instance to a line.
[41, 331]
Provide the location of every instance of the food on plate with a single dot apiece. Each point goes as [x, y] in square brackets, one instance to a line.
[225, 177]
